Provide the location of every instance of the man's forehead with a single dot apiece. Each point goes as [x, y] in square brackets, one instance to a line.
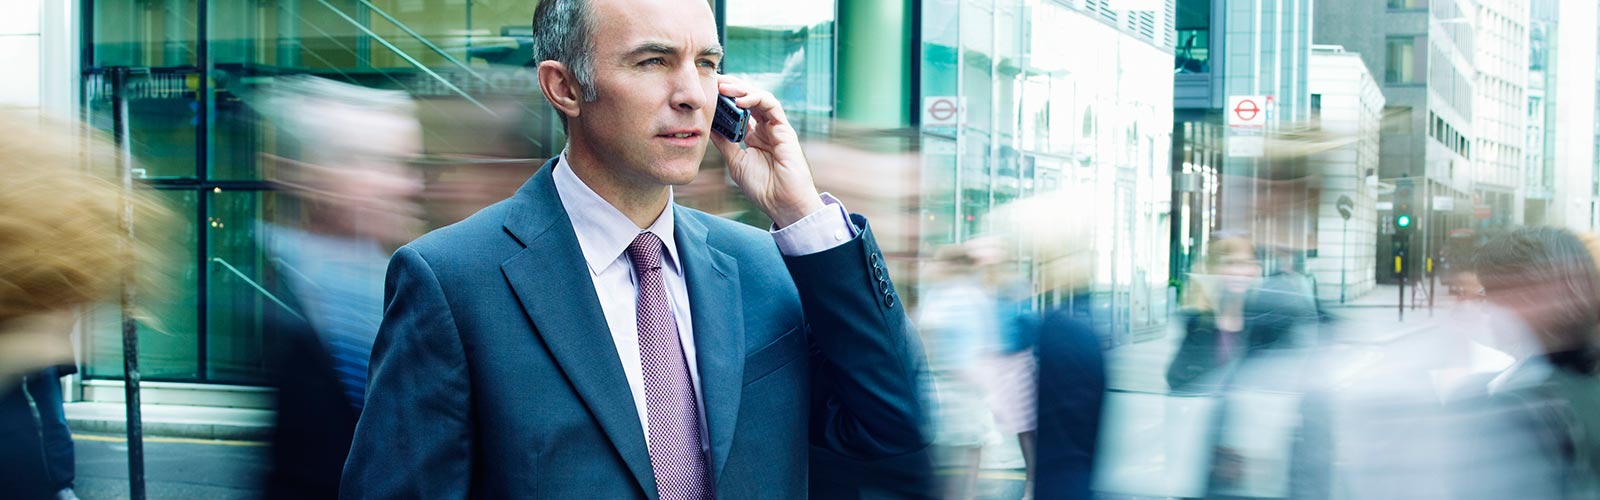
[682, 24]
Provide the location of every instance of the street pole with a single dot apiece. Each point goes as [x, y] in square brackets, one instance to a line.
[1344, 256]
[130, 327]
[1346, 206]
[1433, 277]
[1402, 301]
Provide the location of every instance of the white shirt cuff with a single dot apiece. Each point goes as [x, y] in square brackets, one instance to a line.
[825, 228]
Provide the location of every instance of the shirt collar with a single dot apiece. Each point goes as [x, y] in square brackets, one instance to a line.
[604, 233]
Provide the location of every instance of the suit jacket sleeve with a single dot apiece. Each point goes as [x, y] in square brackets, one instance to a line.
[414, 436]
[867, 360]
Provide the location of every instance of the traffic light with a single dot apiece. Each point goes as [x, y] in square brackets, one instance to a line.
[1404, 201]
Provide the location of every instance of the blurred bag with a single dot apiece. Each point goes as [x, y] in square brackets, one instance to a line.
[1156, 445]
[1259, 433]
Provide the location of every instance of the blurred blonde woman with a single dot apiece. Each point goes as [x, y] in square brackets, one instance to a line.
[62, 246]
[1213, 314]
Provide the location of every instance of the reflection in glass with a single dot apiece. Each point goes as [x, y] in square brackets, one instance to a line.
[168, 339]
[162, 119]
[242, 286]
[786, 48]
[145, 33]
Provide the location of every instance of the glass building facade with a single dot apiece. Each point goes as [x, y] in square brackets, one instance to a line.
[1038, 118]
[1035, 118]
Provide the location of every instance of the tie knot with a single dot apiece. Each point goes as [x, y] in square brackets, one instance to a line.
[645, 252]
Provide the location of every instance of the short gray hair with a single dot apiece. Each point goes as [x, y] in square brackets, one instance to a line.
[562, 32]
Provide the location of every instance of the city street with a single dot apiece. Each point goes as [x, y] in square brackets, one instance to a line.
[175, 468]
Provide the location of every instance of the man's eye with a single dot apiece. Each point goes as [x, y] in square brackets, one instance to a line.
[707, 63]
[654, 61]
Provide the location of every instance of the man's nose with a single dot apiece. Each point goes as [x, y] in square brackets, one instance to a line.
[688, 91]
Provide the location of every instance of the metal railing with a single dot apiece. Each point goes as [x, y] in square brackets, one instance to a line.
[403, 55]
[257, 286]
[425, 42]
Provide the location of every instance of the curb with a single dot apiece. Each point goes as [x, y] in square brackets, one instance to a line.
[173, 421]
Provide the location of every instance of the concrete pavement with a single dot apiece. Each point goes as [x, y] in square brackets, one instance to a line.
[175, 468]
[201, 422]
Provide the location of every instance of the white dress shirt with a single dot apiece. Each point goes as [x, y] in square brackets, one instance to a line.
[604, 234]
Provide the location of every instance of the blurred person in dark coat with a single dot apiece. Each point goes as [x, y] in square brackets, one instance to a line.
[1242, 334]
[1069, 392]
[62, 247]
[352, 200]
[1216, 333]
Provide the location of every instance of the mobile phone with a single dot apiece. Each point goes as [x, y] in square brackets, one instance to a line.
[731, 120]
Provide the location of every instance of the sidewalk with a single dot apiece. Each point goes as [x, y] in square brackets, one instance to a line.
[1389, 295]
[200, 422]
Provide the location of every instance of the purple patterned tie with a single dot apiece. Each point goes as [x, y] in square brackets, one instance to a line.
[674, 415]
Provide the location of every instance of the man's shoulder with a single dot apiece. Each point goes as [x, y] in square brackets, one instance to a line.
[732, 235]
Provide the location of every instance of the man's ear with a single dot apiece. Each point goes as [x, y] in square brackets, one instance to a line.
[560, 87]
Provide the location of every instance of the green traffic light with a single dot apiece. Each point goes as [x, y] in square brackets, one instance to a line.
[1403, 221]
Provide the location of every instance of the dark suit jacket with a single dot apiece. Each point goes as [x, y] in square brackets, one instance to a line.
[495, 376]
[313, 421]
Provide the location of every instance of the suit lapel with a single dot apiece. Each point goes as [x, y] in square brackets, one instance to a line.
[714, 308]
[552, 282]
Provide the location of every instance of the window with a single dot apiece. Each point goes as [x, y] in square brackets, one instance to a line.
[1193, 51]
[1402, 64]
[1407, 4]
[201, 144]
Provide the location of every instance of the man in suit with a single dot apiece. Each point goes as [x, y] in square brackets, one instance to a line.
[589, 338]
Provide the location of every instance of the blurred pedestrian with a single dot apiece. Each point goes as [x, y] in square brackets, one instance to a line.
[1213, 315]
[37, 407]
[1008, 361]
[958, 322]
[62, 247]
[1244, 346]
[349, 197]
[1067, 391]
[1543, 284]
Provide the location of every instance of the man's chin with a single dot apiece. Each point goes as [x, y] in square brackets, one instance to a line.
[678, 177]
[680, 169]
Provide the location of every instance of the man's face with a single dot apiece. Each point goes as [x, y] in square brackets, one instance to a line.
[364, 186]
[655, 74]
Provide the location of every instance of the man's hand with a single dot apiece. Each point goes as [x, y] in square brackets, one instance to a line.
[771, 170]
